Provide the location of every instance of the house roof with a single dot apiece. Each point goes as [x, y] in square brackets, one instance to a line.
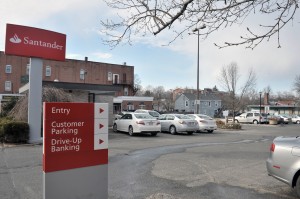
[203, 96]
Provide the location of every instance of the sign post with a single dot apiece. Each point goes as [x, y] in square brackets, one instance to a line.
[35, 99]
[75, 153]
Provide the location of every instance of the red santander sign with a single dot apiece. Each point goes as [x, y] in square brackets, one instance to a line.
[34, 42]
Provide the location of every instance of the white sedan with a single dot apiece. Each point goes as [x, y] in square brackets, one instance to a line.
[205, 122]
[137, 123]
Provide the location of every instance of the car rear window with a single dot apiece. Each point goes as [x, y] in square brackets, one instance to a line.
[182, 116]
[154, 113]
[143, 116]
[205, 117]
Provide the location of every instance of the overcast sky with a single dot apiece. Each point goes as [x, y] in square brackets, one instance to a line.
[158, 65]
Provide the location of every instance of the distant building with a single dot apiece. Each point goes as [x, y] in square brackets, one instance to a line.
[286, 107]
[88, 81]
[210, 103]
[131, 103]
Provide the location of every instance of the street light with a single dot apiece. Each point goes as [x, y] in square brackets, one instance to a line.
[198, 95]
[260, 106]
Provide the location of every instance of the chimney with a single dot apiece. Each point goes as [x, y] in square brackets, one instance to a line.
[86, 59]
[266, 99]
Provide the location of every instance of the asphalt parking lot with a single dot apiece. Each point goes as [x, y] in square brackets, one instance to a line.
[225, 164]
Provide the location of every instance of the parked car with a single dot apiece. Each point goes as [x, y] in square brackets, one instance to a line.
[296, 119]
[251, 117]
[205, 122]
[286, 119]
[119, 115]
[137, 123]
[278, 119]
[150, 112]
[174, 123]
[283, 162]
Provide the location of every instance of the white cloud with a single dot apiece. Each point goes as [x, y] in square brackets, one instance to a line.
[102, 55]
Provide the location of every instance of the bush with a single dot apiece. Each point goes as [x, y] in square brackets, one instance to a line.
[14, 132]
[222, 125]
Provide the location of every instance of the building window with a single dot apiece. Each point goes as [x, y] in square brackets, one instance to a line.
[109, 76]
[126, 91]
[82, 74]
[27, 69]
[124, 78]
[8, 69]
[142, 105]
[7, 85]
[130, 107]
[48, 71]
[186, 103]
[116, 79]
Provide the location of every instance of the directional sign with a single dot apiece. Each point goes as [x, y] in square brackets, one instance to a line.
[72, 139]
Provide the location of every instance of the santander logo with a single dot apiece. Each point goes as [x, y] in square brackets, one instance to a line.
[15, 39]
[28, 41]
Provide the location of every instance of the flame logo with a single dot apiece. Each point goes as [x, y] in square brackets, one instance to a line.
[15, 39]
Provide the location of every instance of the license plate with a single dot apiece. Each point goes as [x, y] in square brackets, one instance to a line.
[150, 123]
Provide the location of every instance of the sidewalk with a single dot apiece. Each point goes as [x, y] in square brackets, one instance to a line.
[21, 175]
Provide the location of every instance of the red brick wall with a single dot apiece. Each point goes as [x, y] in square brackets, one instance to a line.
[136, 104]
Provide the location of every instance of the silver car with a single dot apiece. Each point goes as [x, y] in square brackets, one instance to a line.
[174, 123]
[284, 161]
[205, 122]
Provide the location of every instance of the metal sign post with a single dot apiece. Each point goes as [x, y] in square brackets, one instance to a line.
[35, 100]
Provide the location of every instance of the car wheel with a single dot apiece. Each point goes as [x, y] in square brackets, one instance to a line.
[190, 132]
[154, 134]
[210, 131]
[255, 122]
[115, 129]
[130, 130]
[172, 130]
[297, 187]
[298, 122]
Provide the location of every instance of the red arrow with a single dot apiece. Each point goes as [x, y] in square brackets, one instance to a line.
[100, 141]
[101, 110]
[101, 126]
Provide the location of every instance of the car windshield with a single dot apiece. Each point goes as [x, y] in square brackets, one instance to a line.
[143, 116]
[182, 116]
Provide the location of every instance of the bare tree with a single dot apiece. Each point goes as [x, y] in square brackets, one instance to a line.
[137, 84]
[228, 79]
[297, 84]
[141, 17]
[159, 94]
[49, 94]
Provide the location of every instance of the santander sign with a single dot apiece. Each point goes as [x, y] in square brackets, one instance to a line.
[34, 42]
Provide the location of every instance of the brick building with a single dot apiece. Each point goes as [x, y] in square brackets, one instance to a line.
[88, 81]
[14, 72]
